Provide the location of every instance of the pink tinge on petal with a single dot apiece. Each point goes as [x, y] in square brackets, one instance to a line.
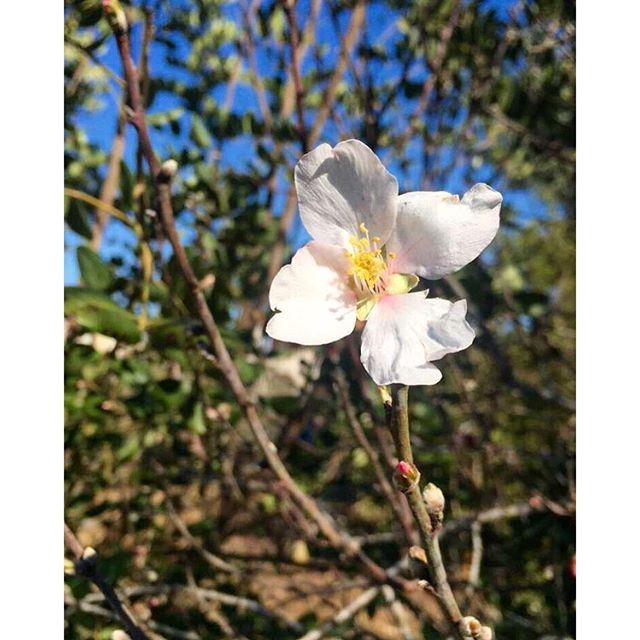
[405, 333]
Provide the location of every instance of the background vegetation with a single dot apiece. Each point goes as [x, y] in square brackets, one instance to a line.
[161, 468]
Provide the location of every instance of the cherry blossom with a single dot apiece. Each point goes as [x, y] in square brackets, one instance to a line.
[369, 250]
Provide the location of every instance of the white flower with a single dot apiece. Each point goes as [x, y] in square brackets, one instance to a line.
[369, 245]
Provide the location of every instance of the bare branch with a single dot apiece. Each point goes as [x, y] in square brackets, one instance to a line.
[398, 423]
[86, 566]
[162, 176]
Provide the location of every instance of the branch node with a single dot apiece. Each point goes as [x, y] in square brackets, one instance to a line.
[406, 476]
[167, 171]
[116, 17]
[86, 565]
[434, 501]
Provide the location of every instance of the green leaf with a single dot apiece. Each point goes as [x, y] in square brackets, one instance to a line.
[95, 273]
[199, 132]
[97, 312]
[76, 217]
[196, 422]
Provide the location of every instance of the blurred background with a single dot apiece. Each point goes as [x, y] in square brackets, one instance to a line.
[161, 468]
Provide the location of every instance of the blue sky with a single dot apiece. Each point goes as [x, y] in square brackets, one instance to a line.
[100, 125]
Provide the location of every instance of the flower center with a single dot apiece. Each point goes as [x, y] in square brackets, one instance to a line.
[367, 262]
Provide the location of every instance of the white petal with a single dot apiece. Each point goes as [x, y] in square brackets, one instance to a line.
[404, 333]
[340, 188]
[437, 234]
[312, 297]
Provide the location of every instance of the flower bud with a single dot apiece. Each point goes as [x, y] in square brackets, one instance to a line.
[418, 553]
[115, 16]
[470, 627]
[89, 554]
[168, 170]
[406, 476]
[434, 500]
[120, 635]
[485, 634]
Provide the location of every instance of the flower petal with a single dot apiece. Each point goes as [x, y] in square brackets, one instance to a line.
[404, 333]
[437, 234]
[340, 188]
[312, 296]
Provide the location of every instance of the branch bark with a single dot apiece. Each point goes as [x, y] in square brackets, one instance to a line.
[222, 359]
[398, 422]
[294, 37]
[86, 566]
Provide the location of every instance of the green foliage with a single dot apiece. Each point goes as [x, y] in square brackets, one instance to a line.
[95, 273]
[151, 423]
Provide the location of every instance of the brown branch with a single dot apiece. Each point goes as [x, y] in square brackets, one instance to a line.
[477, 549]
[167, 631]
[398, 422]
[345, 614]
[93, 58]
[289, 97]
[398, 611]
[111, 181]
[348, 611]
[231, 86]
[162, 175]
[284, 222]
[391, 495]
[211, 595]
[214, 561]
[86, 566]
[346, 47]
[328, 100]
[436, 68]
[249, 49]
[294, 36]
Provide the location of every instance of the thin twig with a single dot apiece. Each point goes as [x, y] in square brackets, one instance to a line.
[392, 496]
[210, 558]
[346, 47]
[213, 595]
[398, 423]
[249, 49]
[476, 558]
[90, 55]
[346, 613]
[166, 630]
[398, 611]
[111, 180]
[436, 68]
[294, 38]
[224, 362]
[86, 566]
[289, 95]
[328, 99]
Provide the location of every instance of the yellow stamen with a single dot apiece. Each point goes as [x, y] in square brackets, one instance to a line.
[368, 265]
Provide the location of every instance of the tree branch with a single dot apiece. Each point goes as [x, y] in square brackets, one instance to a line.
[86, 566]
[398, 422]
[294, 36]
[162, 175]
